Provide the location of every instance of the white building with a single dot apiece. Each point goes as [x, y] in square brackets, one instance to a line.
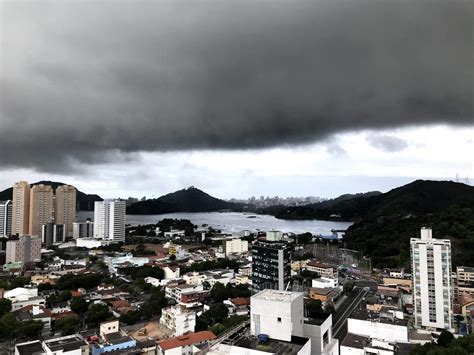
[89, 243]
[433, 289]
[274, 236]
[109, 220]
[6, 208]
[324, 282]
[235, 246]
[83, 229]
[178, 319]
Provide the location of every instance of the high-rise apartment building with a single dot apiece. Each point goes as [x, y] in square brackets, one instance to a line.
[41, 207]
[109, 220]
[432, 286]
[65, 207]
[21, 208]
[53, 233]
[271, 265]
[25, 249]
[83, 229]
[6, 209]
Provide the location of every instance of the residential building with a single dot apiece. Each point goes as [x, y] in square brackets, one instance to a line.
[25, 249]
[463, 281]
[274, 236]
[21, 208]
[35, 312]
[178, 319]
[21, 297]
[432, 286]
[65, 208]
[235, 246]
[53, 233]
[41, 208]
[325, 282]
[354, 344]
[324, 270]
[185, 344]
[109, 220]
[6, 209]
[112, 338]
[83, 229]
[66, 345]
[271, 265]
[184, 293]
[239, 306]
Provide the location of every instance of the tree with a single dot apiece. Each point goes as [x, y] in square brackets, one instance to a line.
[8, 324]
[5, 306]
[445, 338]
[131, 317]
[216, 313]
[348, 287]
[67, 326]
[97, 313]
[217, 328]
[314, 309]
[79, 305]
[30, 328]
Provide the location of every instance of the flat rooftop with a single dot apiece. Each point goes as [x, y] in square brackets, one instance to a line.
[364, 314]
[277, 296]
[273, 346]
[66, 343]
[32, 348]
[360, 342]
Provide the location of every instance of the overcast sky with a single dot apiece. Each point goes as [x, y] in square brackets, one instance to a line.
[241, 98]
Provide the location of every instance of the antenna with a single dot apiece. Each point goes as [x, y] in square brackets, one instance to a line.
[286, 289]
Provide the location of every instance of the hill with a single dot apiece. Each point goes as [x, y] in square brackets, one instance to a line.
[186, 200]
[85, 202]
[418, 197]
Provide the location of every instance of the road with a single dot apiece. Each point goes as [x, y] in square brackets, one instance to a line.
[339, 328]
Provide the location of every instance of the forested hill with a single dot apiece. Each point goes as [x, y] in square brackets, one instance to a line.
[418, 197]
[85, 202]
[186, 200]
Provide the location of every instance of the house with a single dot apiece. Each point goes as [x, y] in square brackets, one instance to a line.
[35, 312]
[21, 297]
[324, 270]
[66, 345]
[185, 344]
[178, 319]
[239, 306]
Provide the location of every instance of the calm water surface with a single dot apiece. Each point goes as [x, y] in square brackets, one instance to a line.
[234, 222]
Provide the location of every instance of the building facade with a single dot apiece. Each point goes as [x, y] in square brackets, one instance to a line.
[109, 220]
[83, 229]
[53, 233]
[21, 208]
[235, 246]
[41, 208]
[432, 286]
[65, 207]
[6, 209]
[26, 249]
[271, 265]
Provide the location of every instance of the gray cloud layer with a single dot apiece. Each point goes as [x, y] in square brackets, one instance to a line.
[95, 81]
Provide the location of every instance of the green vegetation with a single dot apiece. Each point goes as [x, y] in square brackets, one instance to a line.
[221, 293]
[72, 282]
[79, 305]
[144, 271]
[67, 325]
[14, 282]
[97, 313]
[227, 323]
[186, 200]
[447, 345]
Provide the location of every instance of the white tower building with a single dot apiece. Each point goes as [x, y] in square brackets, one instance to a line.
[432, 286]
[6, 209]
[109, 220]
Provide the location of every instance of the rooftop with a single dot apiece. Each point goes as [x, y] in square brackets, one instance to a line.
[279, 296]
[32, 348]
[360, 342]
[67, 343]
[364, 314]
[273, 346]
[188, 339]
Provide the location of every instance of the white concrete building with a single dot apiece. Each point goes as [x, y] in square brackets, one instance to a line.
[235, 246]
[89, 243]
[178, 319]
[324, 282]
[274, 236]
[6, 208]
[109, 220]
[83, 229]
[432, 286]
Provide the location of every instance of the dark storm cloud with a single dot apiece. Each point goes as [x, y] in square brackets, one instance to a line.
[95, 81]
[387, 143]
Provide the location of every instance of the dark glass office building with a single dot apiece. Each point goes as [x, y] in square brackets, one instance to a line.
[271, 265]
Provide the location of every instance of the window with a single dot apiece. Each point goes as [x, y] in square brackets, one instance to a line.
[279, 320]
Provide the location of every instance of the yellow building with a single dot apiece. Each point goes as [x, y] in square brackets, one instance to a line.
[41, 207]
[65, 208]
[21, 208]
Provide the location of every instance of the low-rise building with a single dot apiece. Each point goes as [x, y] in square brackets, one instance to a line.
[239, 306]
[178, 319]
[235, 246]
[185, 344]
[324, 270]
[66, 345]
[185, 293]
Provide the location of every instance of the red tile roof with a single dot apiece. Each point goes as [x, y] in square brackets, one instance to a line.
[188, 339]
[240, 301]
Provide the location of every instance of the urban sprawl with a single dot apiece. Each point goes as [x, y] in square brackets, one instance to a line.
[101, 286]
